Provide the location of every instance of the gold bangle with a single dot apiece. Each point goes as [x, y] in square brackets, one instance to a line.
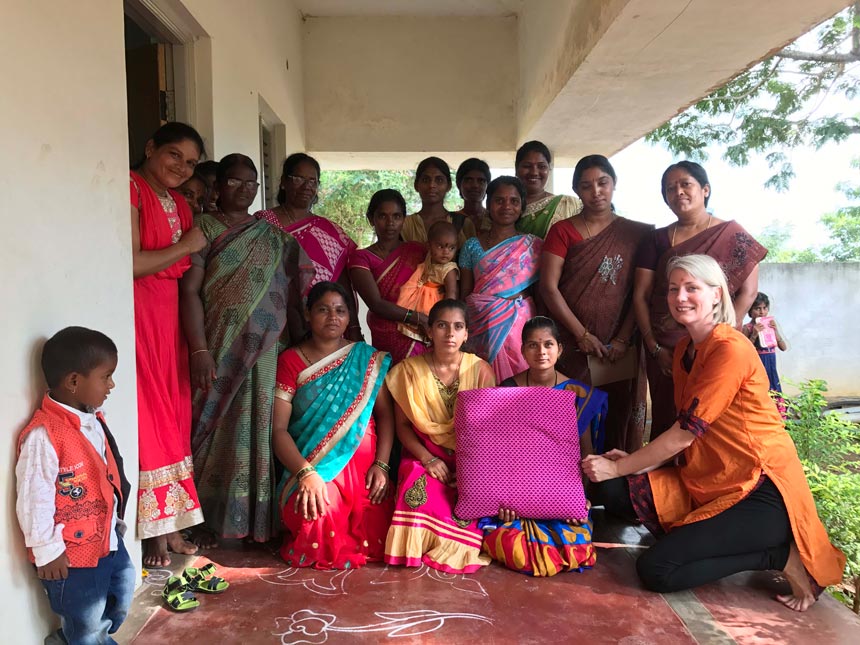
[304, 472]
[429, 461]
[382, 466]
[584, 336]
[198, 351]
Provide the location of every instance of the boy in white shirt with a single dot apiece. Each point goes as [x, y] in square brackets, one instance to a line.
[72, 490]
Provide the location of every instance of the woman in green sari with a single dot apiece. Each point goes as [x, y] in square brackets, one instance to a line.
[238, 300]
[533, 165]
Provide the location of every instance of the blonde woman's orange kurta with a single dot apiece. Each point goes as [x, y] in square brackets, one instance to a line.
[724, 401]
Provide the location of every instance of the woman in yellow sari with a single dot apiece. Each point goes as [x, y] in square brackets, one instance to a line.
[424, 529]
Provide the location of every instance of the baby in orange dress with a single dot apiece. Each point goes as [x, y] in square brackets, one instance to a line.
[434, 279]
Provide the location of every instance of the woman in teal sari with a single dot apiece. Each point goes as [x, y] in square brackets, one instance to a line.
[333, 429]
[541, 547]
[542, 209]
[237, 301]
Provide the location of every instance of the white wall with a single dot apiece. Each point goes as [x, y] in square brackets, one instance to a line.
[817, 306]
[251, 46]
[65, 243]
[418, 84]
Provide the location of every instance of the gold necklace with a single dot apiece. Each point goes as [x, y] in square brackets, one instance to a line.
[436, 373]
[675, 229]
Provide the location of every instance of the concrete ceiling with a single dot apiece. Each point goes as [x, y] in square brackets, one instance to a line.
[320, 8]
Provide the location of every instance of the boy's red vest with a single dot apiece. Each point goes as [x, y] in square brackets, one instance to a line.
[86, 485]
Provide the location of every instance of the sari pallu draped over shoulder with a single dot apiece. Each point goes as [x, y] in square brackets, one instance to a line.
[249, 270]
[390, 274]
[597, 284]
[332, 407]
[495, 316]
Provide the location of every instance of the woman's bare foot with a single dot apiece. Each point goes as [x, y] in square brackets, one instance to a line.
[177, 544]
[203, 536]
[155, 554]
[802, 596]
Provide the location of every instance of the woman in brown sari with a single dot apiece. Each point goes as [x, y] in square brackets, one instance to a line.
[686, 191]
[586, 282]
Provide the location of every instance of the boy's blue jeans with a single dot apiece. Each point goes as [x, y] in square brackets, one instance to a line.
[93, 602]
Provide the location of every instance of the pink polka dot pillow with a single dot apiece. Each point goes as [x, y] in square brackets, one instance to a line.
[518, 447]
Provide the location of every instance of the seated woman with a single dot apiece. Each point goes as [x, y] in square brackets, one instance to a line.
[497, 269]
[548, 547]
[424, 529]
[734, 497]
[332, 430]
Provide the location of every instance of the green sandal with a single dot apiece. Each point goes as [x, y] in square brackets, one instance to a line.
[177, 596]
[204, 581]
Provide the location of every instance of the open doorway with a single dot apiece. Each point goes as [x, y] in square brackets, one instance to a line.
[150, 91]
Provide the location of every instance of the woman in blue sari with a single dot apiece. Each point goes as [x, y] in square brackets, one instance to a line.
[548, 547]
[332, 429]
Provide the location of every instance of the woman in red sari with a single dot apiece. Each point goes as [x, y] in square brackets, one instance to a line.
[381, 269]
[326, 244]
[162, 237]
[586, 281]
[686, 191]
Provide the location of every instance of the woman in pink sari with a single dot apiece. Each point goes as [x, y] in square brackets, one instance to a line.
[381, 269]
[162, 237]
[326, 243]
[497, 269]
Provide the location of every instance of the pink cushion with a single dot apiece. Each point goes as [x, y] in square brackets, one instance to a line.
[518, 447]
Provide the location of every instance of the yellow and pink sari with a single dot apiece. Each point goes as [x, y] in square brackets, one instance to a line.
[424, 529]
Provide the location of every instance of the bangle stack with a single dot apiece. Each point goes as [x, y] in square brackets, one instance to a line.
[304, 472]
[382, 466]
[621, 340]
[408, 314]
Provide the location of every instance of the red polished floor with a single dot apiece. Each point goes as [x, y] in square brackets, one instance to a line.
[268, 602]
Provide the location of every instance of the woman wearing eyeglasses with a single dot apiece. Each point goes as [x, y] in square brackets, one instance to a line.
[432, 183]
[326, 243]
[237, 300]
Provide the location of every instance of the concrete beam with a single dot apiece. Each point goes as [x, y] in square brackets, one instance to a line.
[654, 60]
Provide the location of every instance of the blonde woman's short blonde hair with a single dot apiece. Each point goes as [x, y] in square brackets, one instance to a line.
[707, 269]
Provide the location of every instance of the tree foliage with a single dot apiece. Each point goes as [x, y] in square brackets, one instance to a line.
[844, 227]
[345, 194]
[778, 104]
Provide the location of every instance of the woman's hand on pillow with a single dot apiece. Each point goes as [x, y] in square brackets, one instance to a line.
[312, 497]
[599, 468]
[507, 514]
[376, 483]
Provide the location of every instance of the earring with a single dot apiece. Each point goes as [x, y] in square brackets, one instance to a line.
[74, 389]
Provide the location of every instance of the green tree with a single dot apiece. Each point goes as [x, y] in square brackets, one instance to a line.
[778, 104]
[844, 226]
[775, 239]
[345, 194]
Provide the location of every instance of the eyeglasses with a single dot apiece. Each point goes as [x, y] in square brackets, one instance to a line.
[298, 180]
[233, 182]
